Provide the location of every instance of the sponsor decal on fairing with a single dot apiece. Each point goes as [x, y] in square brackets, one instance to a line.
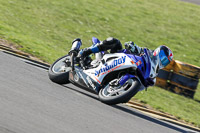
[90, 82]
[108, 68]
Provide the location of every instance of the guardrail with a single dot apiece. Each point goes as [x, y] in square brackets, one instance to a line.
[180, 78]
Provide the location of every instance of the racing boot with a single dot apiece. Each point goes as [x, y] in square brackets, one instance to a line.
[85, 52]
[85, 60]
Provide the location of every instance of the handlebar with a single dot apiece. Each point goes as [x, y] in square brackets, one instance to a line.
[73, 54]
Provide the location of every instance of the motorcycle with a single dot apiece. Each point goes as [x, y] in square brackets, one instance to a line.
[115, 77]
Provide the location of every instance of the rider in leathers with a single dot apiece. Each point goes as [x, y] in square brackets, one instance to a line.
[160, 57]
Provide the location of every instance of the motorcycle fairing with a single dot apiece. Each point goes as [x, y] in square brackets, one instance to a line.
[79, 77]
[109, 63]
[144, 67]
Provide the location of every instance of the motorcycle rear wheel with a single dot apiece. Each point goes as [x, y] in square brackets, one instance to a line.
[120, 95]
[59, 71]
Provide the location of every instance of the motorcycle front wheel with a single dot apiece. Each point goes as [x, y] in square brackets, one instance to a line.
[114, 95]
[59, 70]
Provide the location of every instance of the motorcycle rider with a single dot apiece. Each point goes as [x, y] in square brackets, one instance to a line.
[160, 57]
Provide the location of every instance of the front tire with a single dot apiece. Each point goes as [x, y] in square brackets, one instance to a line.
[59, 70]
[119, 95]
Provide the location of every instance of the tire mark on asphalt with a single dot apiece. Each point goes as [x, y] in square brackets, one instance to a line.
[5, 130]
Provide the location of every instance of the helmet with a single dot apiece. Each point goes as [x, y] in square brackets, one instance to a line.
[164, 56]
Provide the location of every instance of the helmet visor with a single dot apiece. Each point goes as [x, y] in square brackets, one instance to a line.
[163, 59]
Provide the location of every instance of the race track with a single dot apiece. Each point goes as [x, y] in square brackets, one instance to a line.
[31, 103]
[197, 2]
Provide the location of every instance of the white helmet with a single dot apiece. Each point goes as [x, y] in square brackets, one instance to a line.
[164, 55]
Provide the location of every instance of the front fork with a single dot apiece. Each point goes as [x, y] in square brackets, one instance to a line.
[126, 77]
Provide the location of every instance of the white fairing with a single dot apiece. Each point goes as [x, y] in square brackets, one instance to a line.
[113, 62]
[153, 73]
[154, 66]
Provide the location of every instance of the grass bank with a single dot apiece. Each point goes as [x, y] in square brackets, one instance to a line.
[46, 28]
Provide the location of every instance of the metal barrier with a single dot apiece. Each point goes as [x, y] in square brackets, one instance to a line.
[180, 78]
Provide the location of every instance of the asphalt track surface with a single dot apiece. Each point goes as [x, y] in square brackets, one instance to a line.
[31, 103]
[192, 1]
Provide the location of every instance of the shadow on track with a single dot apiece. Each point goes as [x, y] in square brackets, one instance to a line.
[127, 110]
[148, 118]
[80, 90]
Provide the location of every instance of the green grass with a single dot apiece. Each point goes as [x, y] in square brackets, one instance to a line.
[197, 94]
[46, 28]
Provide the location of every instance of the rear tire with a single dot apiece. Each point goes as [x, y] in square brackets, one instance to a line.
[59, 72]
[121, 98]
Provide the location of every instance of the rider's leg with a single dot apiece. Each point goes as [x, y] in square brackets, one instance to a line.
[110, 43]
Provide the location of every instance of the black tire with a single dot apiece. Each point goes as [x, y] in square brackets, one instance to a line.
[123, 98]
[59, 77]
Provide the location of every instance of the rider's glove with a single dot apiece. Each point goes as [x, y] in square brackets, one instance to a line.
[130, 46]
[133, 47]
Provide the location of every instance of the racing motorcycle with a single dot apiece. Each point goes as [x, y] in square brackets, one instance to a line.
[115, 77]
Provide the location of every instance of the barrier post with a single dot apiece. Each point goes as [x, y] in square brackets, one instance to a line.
[180, 78]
